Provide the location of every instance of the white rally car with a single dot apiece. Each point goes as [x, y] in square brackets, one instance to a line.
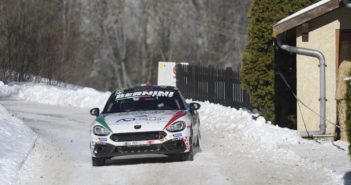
[145, 120]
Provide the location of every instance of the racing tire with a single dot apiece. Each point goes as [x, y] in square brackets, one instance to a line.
[98, 161]
[189, 156]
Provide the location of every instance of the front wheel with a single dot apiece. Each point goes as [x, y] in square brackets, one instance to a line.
[189, 156]
[98, 161]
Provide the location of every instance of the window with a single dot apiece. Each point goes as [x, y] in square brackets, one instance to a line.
[143, 104]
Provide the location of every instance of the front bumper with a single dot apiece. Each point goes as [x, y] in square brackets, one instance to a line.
[155, 142]
[169, 147]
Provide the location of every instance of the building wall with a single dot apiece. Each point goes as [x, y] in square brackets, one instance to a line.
[322, 37]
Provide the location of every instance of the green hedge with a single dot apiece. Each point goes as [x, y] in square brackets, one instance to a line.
[257, 71]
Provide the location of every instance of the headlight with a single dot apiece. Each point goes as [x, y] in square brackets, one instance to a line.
[177, 126]
[100, 131]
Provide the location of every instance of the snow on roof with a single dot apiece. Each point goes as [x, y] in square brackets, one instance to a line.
[307, 9]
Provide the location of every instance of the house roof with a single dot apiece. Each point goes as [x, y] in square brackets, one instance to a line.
[315, 10]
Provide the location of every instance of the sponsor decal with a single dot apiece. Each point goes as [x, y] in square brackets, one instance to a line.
[144, 113]
[177, 135]
[139, 119]
[126, 119]
[168, 94]
[151, 119]
[138, 143]
[135, 143]
[103, 139]
[187, 143]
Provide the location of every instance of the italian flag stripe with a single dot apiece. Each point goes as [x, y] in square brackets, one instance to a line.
[101, 120]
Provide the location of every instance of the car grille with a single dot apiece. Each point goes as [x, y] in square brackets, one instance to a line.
[138, 136]
[138, 149]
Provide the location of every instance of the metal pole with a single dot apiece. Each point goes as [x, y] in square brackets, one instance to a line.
[319, 55]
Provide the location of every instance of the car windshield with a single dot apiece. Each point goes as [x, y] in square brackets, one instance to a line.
[120, 103]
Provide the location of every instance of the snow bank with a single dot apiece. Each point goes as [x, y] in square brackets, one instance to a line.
[230, 121]
[63, 96]
[226, 119]
[284, 145]
[217, 118]
[17, 141]
[223, 121]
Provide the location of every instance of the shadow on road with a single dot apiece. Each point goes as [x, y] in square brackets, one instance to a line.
[139, 161]
[134, 161]
[347, 178]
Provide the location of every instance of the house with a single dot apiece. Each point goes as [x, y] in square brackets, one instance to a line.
[322, 31]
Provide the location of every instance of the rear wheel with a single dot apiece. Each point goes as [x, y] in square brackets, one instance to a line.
[98, 161]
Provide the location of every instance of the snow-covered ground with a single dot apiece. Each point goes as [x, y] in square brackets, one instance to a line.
[236, 148]
[54, 95]
[17, 140]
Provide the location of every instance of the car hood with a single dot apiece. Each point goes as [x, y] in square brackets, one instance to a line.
[146, 120]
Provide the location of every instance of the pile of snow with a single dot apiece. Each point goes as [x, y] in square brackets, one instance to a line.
[260, 136]
[17, 141]
[225, 121]
[230, 121]
[54, 95]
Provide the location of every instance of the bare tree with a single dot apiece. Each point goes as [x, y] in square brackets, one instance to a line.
[114, 44]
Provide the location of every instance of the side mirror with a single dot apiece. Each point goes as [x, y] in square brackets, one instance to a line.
[95, 112]
[194, 106]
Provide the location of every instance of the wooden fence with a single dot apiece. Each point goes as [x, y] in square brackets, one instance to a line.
[215, 85]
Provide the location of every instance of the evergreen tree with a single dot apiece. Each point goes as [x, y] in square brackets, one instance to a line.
[348, 116]
[257, 72]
